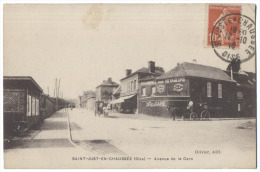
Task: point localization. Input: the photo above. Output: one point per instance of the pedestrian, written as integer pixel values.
(172, 111)
(190, 105)
(105, 111)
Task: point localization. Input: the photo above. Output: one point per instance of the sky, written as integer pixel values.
(84, 44)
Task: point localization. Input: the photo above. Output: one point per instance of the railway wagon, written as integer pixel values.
(21, 103)
(47, 106)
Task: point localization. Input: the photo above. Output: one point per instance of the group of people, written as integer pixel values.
(172, 109)
(67, 107)
(101, 108)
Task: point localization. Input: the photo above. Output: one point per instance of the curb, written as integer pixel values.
(69, 131)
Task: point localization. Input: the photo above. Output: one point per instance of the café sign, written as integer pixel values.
(156, 104)
(173, 80)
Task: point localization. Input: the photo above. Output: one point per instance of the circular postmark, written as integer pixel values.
(233, 37)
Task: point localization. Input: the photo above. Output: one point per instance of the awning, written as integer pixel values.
(121, 99)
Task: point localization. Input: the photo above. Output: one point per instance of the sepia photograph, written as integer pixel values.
(129, 86)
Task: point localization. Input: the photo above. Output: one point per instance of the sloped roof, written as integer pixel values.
(244, 79)
(196, 70)
(107, 83)
(142, 70)
(149, 78)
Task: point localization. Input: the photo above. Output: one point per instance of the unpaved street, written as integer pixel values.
(150, 137)
(147, 142)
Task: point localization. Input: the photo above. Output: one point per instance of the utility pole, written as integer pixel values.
(54, 89)
(58, 91)
(56, 95)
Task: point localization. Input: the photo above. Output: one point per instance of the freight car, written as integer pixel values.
(47, 106)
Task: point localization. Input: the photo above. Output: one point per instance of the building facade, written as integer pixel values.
(104, 92)
(87, 100)
(207, 87)
(129, 93)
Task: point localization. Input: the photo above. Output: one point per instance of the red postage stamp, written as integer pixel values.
(218, 22)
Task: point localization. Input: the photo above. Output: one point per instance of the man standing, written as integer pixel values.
(172, 111)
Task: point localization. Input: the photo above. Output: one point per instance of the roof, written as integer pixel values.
(244, 79)
(149, 78)
(196, 70)
(47, 96)
(141, 70)
(23, 78)
(107, 83)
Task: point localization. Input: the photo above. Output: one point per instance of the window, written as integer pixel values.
(134, 84)
(219, 90)
(143, 92)
(153, 90)
(238, 108)
(239, 95)
(29, 104)
(37, 107)
(209, 89)
(33, 106)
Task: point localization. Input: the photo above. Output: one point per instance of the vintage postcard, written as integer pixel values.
(129, 86)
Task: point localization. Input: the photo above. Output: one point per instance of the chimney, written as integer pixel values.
(128, 72)
(109, 80)
(151, 66)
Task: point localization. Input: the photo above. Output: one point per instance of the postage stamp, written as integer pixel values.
(230, 33)
(217, 12)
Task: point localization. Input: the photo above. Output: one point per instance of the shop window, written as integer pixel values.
(239, 95)
(143, 91)
(209, 94)
(153, 90)
(219, 90)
